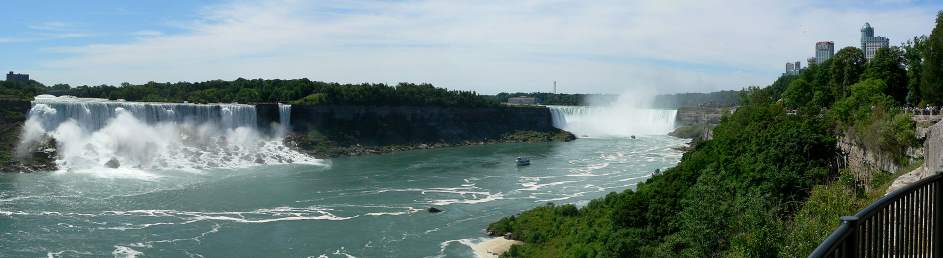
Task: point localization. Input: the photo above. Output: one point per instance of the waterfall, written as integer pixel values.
(98, 133)
(612, 121)
(284, 115)
(93, 114)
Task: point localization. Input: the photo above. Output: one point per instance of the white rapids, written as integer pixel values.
(613, 121)
(101, 134)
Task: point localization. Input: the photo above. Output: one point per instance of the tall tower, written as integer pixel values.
(867, 32)
(824, 50)
(554, 87)
(869, 43)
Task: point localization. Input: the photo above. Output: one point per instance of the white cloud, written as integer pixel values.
(51, 26)
(147, 33)
(490, 46)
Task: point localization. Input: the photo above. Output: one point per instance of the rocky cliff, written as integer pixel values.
(865, 162)
(700, 115)
(933, 149)
(321, 127)
(697, 123)
(12, 115)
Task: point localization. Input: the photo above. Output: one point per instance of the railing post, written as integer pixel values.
(937, 235)
(851, 243)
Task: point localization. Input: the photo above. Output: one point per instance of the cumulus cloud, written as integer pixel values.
(490, 46)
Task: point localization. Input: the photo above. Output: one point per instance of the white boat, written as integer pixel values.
(523, 161)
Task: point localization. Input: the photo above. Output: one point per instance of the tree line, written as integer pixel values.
(769, 183)
(299, 91)
(727, 98)
(561, 99)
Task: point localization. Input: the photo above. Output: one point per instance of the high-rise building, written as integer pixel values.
(793, 68)
(17, 77)
(869, 43)
(824, 50)
(810, 61)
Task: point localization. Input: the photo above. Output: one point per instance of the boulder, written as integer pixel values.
(113, 163)
(434, 210)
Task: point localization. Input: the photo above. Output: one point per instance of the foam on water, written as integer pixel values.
(138, 136)
(587, 121)
(629, 115)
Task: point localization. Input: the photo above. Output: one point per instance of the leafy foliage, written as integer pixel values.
(301, 91)
(726, 98)
(932, 84)
(767, 184)
(914, 52)
(759, 159)
(888, 66)
(559, 98)
(845, 69)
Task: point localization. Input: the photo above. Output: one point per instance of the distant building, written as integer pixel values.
(522, 100)
(869, 43)
(810, 61)
(824, 50)
(793, 68)
(21, 77)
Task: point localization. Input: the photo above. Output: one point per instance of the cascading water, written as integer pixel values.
(99, 133)
(612, 121)
(284, 118)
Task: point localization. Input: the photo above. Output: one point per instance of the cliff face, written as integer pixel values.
(12, 115)
(265, 115)
(933, 149)
(699, 115)
(412, 125)
(698, 123)
(864, 162)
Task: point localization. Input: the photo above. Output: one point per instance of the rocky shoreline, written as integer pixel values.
(321, 148)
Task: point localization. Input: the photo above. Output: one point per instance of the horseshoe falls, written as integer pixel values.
(613, 121)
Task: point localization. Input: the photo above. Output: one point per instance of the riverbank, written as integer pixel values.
(319, 146)
(493, 248)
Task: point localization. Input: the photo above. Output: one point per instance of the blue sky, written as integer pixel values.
(489, 46)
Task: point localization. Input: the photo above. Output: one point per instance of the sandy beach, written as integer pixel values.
(492, 248)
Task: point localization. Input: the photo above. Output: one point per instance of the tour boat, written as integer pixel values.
(523, 161)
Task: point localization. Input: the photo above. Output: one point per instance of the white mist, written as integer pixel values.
(628, 115)
(90, 133)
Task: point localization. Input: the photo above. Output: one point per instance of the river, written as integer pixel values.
(369, 206)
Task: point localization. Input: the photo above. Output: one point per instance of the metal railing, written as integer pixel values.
(905, 223)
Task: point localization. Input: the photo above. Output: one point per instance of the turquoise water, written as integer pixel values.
(372, 206)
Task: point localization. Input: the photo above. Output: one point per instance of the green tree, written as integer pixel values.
(932, 85)
(914, 52)
(888, 66)
(247, 95)
(798, 94)
(846, 68)
(866, 98)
